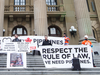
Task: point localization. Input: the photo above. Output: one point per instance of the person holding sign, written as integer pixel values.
(66, 39)
(16, 39)
(46, 41)
(87, 42)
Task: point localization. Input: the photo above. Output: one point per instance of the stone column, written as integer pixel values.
(27, 5)
(70, 21)
(2, 3)
(40, 17)
(83, 19)
(6, 26)
(32, 25)
(97, 5)
(11, 5)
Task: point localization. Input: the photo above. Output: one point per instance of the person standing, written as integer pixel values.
(16, 39)
(46, 41)
(66, 39)
(87, 42)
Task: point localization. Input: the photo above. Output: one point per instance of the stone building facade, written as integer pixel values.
(51, 17)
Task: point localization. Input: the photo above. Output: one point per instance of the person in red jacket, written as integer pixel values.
(66, 39)
(87, 42)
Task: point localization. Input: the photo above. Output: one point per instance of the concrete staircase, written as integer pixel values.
(97, 60)
(35, 66)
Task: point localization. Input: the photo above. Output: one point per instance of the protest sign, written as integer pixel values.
(9, 47)
(0, 43)
(38, 40)
(23, 47)
(16, 60)
(15, 47)
(34, 42)
(61, 56)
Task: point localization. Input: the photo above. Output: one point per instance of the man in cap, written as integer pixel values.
(87, 42)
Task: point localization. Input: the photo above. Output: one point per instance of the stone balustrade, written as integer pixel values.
(31, 8)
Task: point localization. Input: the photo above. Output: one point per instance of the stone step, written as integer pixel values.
(47, 69)
(27, 60)
(27, 65)
(49, 72)
(35, 62)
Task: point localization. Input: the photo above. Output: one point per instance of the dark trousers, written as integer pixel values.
(36, 52)
(76, 64)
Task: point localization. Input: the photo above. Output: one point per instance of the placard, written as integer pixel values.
(61, 56)
(9, 47)
(34, 42)
(16, 60)
(23, 47)
(15, 47)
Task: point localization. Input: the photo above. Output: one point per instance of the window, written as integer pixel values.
(51, 2)
(93, 6)
(19, 2)
(20, 30)
(88, 5)
(54, 31)
(94, 33)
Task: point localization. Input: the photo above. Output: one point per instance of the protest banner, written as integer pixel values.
(15, 47)
(9, 47)
(16, 60)
(23, 47)
(34, 41)
(0, 43)
(61, 56)
(38, 40)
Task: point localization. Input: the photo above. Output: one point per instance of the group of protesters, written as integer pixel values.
(66, 43)
(48, 42)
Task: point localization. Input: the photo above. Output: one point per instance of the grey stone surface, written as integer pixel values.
(37, 68)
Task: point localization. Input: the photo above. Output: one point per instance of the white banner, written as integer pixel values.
(38, 40)
(34, 41)
(16, 60)
(0, 43)
(9, 47)
(15, 47)
(61, 56)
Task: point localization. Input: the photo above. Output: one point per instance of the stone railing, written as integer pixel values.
(6, 8)
(19, 7)
(31, 8)
(54, 7)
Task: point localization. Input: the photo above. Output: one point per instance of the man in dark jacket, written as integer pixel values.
(46, 41)
(16, 39)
